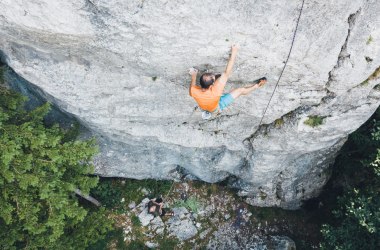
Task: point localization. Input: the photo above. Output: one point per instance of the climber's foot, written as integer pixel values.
(258, 81)
(262, 81)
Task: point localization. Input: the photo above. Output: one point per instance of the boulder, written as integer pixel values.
(145, 218)
(180, 225)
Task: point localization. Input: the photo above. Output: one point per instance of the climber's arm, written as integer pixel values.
(193, 72)
(227, 72)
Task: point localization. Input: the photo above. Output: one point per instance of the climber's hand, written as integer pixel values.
(235, 47)
(193, 71)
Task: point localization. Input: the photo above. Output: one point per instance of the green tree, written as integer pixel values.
(39, 172)
(357, 224)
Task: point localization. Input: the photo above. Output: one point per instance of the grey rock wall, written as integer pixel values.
(120, 67)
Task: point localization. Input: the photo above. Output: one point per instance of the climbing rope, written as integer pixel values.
(283, 69)
(286, 62)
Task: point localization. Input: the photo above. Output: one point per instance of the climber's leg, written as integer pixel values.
(227, 99)
(246, 90)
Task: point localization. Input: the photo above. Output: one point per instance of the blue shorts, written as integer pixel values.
(225, 100)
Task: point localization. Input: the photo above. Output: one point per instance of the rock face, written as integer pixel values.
(181, 224)
(121, 67)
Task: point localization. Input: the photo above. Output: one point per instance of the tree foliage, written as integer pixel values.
(357, 223)
(39, 171)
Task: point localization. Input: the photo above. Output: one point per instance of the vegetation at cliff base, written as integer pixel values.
(39, 171)
(357, 212)
(114, 193)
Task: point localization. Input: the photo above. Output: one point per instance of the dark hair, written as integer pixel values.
(159, 200)
(205, 84)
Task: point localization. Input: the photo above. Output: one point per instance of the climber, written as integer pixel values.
(155, 207)
(209, 95)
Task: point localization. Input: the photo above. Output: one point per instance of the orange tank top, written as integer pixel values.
(207, 99)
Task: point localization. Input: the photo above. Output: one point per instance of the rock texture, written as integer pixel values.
(181, 225)
(121, 67)
(227, 239)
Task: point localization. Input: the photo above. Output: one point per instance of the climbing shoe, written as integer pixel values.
(259, 80)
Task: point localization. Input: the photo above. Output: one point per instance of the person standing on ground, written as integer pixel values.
(209, 95)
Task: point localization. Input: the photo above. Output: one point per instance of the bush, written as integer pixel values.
(135, 221)
(39, 172)
(114, 237)
(111, 191)
(108, 194)
(314, 120)
(136, 245)
(168, 243)
(191, 203)
(357, 224)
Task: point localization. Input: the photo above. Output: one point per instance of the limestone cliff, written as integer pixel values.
(121, 67)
